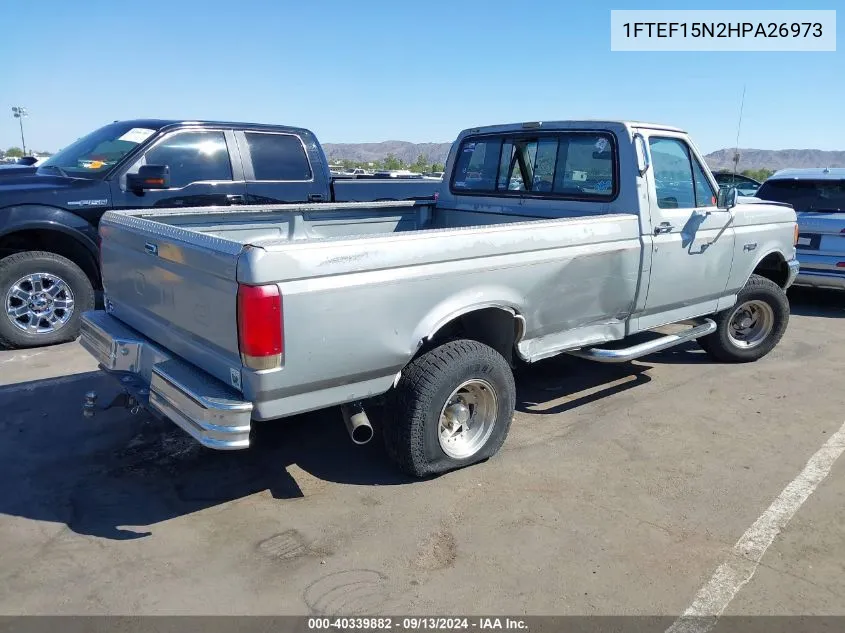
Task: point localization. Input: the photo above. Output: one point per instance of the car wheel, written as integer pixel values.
(752, 327)
(451, 407)
(44, 296)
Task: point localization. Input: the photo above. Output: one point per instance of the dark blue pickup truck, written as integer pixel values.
(49, 268)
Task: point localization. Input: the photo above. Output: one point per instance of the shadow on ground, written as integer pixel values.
(96, 475)
(815, 302)
(104, 476)
(564, 383)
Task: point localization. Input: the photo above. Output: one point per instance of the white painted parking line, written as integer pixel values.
(20, 357)
(742, 561)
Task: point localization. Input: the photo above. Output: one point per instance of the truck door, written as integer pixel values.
(692, 240)
(276, 168)
(203, 171)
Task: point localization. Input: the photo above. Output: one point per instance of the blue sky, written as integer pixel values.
(417, 71)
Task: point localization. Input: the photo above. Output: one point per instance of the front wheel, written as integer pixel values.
(451, 407)
(752, 327)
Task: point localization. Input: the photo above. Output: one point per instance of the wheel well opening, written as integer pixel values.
(773, 267)
(496, 327)
(52, 242)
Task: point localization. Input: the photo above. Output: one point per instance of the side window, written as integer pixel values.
(673, 179)
(193, 157)
(704, 194)
(278, 157)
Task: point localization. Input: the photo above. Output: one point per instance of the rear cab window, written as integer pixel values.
(806, 194)
(576, 165)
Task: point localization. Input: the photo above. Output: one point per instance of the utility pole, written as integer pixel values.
(19, 112)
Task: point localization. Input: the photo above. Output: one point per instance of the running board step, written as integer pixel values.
(649, 347)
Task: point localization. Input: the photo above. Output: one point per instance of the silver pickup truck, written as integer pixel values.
(546, 238)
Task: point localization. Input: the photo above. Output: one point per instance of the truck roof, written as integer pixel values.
(158, 124)
(810, 173)
(566, 124)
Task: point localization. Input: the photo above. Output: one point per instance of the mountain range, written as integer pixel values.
(720, 159)
(371, 152)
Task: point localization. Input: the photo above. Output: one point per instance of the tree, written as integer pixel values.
(391, 162)
(420, 166)
(14, 152)
(757, 174)
(438, 167)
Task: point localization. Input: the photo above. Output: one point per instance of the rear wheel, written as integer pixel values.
(752, 327)
(452, 407)
(44, 296)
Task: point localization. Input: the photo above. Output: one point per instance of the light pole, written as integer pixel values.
(19, 112)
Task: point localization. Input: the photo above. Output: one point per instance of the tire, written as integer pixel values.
(49, 269)
(412, 428)
(760, 300)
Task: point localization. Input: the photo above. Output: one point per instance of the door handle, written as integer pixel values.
(235, 198)
(663, 227)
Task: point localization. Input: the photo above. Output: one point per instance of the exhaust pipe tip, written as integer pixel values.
(357, 423)
(362, 434)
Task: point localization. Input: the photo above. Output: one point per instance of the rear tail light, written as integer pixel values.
(260, 328)
(840, 264)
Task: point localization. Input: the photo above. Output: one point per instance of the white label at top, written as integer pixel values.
(137, 135)
(711, 30)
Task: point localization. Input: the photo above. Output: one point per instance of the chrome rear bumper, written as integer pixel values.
(208, 410)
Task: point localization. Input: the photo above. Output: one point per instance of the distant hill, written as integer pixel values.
(775, 159)
(371, 152)
(721, 159)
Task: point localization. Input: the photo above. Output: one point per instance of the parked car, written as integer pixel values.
(48, 214)
(744, 185)
(215, 318)
(818, 196)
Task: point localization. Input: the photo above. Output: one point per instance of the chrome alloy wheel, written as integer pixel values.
(467, 419)
(750, 324)
(40, 303)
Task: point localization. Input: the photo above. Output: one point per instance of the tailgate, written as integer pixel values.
(822, 233)
(175, 286)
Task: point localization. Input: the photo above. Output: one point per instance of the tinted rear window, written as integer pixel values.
(278, 157)
(579, 165)
(806, 195)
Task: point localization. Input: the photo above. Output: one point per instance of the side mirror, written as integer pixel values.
(726, 198)
(149, 177)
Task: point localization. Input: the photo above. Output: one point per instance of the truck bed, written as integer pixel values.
(362, 284)
(260, 225)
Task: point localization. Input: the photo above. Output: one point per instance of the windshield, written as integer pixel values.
(806, 195)
(95, 154)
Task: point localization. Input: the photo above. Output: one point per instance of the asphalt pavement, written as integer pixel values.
(621, 490)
